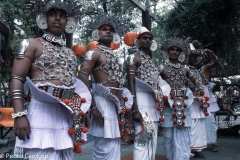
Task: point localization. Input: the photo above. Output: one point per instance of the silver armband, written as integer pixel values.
(130, 59)
(19, 114)
(22, 48)
(88, 55)
(17, 94)
(18, 78)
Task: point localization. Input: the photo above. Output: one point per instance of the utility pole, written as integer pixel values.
(146, 21)
(145, 16)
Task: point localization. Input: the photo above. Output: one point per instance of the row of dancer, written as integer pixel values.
(44, 70)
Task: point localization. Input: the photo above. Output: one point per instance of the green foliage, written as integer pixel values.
(20, 22)
(215, 23)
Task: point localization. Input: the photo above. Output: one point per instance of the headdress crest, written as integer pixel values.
(143, 30)
(175, 42)
(71, 7)
(104, 18)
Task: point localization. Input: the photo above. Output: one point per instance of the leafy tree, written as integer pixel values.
(215, 23)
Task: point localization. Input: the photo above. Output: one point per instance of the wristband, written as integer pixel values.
(19, 114)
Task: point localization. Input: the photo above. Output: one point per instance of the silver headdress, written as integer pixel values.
(143, 30)
(175, 42)
(112, 20)
(102, 19)
(39, 8)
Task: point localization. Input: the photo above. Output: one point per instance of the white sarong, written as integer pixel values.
(145, 151)
(198, 134)
(211, 129)
(106, 148)
(177, 143)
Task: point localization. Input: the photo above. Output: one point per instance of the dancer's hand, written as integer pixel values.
(22, 128)
(97, 116)
(86, 120)
(137, 117)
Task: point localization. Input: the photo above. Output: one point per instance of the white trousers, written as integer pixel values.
(106, 148)
(177, 143)
(198, 134)
(211, 129)
(147, 151)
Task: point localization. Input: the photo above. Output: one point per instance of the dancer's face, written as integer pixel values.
(145, 41)
(56, 20)
(174, 53)
(106, 34)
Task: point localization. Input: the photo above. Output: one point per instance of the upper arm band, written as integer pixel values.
(22, 48)
(130, 59)
(88, 55)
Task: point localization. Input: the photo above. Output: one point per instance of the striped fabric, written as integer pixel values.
(49, 126)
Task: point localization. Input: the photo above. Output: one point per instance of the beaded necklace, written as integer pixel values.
(176, 75)
(113, 66)
(148, 70)
(57, 62)
(53, 39)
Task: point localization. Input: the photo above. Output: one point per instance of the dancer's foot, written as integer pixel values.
(227, 119)
(191, 155)
(198, 154)
(214, 148)
(235, 117)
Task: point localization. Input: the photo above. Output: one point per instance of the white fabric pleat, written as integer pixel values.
(49, 126)
(177, 143)
(146, 103)
(211, 129)
(106, 149)
(109, 111)
(211, 95)
(196, 111)
(198, 134)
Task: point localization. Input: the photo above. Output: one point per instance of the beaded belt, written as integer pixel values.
(117, 93)
(178, 92)
(58, 92)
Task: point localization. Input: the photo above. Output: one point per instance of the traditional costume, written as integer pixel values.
(177, 115)
(199, 112)
(53, 111)
(108, 100)
(211, 125)
(147, 91)
(198, 130)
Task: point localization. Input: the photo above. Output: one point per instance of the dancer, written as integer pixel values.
(143, 79)
(44, 70)
(177, 121)
(204, 66)
(107, 89)
(198, 130)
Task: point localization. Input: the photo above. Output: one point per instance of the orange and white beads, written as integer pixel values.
(78, 127)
